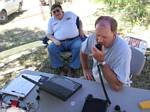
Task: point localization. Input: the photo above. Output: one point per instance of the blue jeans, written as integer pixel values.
(72, 46)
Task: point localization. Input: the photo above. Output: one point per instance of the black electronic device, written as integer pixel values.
(98, 46)
(96, 104)
(58, 86)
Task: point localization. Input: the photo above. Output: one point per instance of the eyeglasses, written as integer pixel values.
(55, 11)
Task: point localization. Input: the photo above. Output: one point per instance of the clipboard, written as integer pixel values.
(19, 86)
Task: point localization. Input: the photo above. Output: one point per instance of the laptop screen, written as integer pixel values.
(58, 86)
(65, 82)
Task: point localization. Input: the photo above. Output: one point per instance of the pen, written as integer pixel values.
(18, 92)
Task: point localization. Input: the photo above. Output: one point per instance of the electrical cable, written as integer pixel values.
(101, 79)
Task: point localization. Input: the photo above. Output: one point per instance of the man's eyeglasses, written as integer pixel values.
(55, 11)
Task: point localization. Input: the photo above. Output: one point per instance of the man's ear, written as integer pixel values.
(115, 33)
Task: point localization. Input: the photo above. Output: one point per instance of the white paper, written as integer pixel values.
(19, 86)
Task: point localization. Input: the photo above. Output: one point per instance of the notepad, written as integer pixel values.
(19, 86)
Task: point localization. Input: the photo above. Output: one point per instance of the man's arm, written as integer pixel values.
(80, 27)
(108, 73)
(84, 62)
(52, 38)
(111, 78)
(81, 32)
(50, 32)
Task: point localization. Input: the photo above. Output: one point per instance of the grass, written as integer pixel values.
(19, 36)
(21, 48)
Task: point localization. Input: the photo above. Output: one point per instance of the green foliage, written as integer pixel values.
(134, 11)
(95, 1)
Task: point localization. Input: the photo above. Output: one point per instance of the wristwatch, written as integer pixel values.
(103, 63)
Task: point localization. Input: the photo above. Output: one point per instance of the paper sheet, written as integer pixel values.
(19, 86)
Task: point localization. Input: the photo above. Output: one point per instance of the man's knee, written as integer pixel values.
(76, 45)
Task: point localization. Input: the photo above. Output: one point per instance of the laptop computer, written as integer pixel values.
(58, 86)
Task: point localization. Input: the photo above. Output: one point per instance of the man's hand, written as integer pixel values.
(81, 32)
(98, 55)
(83, 37)
(45, 40)
(57, 42)
(88, 75)
(52, 38)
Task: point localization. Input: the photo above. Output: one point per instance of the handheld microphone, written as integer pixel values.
(98, 46)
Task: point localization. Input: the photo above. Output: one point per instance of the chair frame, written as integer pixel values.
(137, 62)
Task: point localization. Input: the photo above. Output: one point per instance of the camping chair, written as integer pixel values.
(139, 44)
(137, 62)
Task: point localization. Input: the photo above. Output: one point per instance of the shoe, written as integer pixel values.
(60, 71)
(72, 72)
(56, 70)
(64, 71)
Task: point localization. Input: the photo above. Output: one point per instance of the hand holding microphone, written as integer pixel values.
(98, 52)
(99, 46)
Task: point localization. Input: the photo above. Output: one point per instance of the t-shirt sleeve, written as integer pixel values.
(122, 65)
(88, 44)
(49, 27)
(72, 14)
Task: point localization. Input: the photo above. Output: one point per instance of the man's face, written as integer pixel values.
(58, 13)
(104, 35)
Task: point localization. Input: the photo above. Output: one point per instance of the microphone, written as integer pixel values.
(98, 46)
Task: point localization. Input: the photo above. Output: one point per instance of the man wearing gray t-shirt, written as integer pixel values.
(114, 57)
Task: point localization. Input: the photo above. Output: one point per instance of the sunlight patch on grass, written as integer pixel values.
(19, 49)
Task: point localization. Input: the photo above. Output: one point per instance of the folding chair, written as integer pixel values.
(137, 62)
(139, 44)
